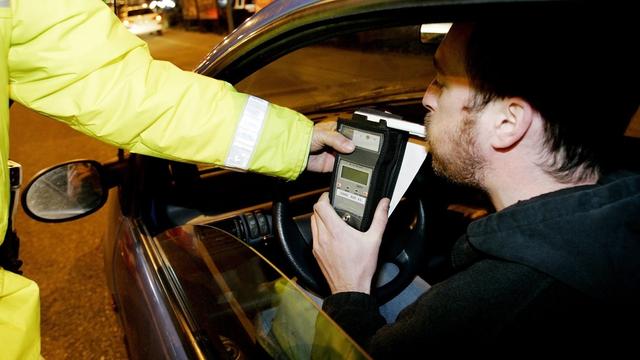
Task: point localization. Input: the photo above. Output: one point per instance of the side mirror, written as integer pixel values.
(65, 192)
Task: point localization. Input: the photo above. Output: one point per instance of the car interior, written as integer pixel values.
(398, 70)
(386, 69)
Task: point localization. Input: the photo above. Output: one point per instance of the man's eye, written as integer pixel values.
(437, 83)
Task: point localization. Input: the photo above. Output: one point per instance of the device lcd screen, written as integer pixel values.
(354, 175)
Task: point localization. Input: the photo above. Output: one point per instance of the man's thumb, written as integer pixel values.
(381, 215)
(338, 141)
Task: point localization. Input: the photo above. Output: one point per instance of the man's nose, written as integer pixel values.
(430, 96)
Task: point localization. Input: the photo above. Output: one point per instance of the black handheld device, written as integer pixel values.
(369, 173)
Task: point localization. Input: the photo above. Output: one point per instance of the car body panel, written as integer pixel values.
(138, 295)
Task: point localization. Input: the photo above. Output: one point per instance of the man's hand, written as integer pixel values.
(347, 257)
(325, 135)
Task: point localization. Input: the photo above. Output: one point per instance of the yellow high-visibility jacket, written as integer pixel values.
(74, 61)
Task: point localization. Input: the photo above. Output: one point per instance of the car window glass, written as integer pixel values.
(382, 65)
(234, 297)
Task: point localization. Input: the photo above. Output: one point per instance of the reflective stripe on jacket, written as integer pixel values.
(72, 60)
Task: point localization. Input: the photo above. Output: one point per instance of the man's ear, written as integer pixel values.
(513, 119)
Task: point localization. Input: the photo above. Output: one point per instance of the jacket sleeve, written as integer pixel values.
(357, 313)
(74, 61)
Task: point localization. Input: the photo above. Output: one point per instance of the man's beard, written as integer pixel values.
(462, 164)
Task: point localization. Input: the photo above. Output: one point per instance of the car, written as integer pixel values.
(205, 262)
(142, 20)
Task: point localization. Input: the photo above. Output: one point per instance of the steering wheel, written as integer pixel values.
(402, 245)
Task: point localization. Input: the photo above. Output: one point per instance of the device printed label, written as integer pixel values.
(366, 140)
(350, 196)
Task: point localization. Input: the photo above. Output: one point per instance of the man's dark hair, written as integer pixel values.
(578, 73)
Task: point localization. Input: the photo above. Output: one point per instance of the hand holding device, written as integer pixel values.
(369, 173)
(324, 135)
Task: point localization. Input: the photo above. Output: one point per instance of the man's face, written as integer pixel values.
(450, 121)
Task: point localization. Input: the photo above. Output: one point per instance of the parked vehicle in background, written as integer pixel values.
(221, 14)
(200, 10)
(142, 20)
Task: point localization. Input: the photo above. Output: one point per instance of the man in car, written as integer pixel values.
(74, 61)
(528, 111)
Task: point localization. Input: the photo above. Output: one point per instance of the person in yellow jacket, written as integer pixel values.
(74, 61)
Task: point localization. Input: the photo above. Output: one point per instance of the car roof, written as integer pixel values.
(284, 26)
(285, 19)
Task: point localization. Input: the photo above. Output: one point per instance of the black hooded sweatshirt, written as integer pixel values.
(559, 272)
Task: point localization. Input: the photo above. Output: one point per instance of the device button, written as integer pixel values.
(346, 217)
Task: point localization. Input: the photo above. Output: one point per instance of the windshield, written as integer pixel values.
(233, 300)
(382, 65)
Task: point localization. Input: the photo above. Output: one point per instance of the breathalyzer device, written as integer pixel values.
(369, 173)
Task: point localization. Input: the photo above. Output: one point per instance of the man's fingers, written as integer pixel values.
(314, 230)
(324, 198)
(330, 125)
(331, 138)
(321, 162)
(325, 211)
(325, 136)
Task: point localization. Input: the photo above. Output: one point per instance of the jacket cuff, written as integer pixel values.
(283, 148)
(364, 302)
(357, 313)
